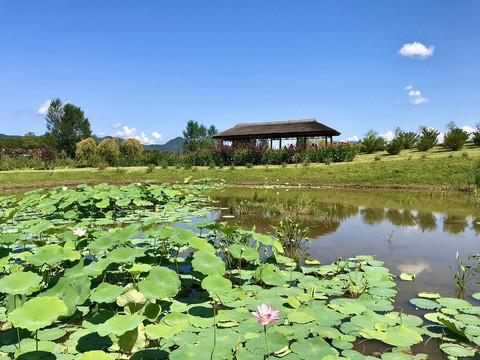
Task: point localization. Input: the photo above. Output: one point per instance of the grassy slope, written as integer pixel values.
(436, 168)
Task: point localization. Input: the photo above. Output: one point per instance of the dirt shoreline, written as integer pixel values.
(7, 188)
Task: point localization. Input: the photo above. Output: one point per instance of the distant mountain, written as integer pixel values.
(175, 145)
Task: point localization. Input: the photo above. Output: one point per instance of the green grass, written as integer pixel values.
(435, 168)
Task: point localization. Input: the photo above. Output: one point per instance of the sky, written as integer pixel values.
(145, 68)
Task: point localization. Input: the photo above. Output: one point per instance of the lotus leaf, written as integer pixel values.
(38, 313)
(401, 335)
(313, 348)
(457, 350)
(425, 304)
(50, 334)
(269, 274)
(119, 324)
(429, 295)
(208, 264)
(160, 283)
(106, 293)
(216, 285)
(95, 355)
(44, 348)
(198, 243)
(407, 277)
(49, 254)
(20, 283)
(124, 254)
(454, 303)
(9, 238)
(476, 295)
(133, 340)
(133, 301)
(158, 331)
(301, 317)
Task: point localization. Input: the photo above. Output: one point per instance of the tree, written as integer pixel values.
(87, 151)
(132, 148)
(197, 136)
(108, 149)
(428, 138)
(455, 138)
(66, 125)
(371, 142)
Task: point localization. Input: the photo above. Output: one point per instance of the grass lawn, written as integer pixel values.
(436, 168)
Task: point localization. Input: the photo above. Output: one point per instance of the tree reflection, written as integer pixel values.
(454, 224)
(372, 216)
(426, 221)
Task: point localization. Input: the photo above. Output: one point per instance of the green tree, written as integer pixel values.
(455, 138)
(197, 136)
(66, 125)
(371, 142)
(108, 150)
(87, 151)
(428, 138)
(131, 147)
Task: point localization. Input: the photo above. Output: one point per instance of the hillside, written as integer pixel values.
(175, 145)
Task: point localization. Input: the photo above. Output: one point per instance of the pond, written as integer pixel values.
(412, 232)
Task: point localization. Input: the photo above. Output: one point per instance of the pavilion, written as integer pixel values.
(277, 130)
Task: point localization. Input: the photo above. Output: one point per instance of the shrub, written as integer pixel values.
(476, 138)
(249, 165)
(86, 151)
(150, 168)
(377, 158)
(164, 164)
(108, 150)
(211, 166)
(372, 142)
(428, 138)
(131, 147)
(102, 165)
(455, 138)
(394, 146)
(327, 161)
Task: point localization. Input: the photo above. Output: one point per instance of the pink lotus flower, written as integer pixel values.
(79, 232)
(265, 314)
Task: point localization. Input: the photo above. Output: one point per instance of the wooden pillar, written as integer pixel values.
(331, 139)
(280, 143)
(305, 141)
(233, 143)
(271, 143)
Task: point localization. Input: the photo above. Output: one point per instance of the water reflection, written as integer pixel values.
(414, 268)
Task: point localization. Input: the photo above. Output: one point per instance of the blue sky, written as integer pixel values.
(144, 68)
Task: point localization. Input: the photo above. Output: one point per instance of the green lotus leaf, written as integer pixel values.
(28, 350)
(407, 277)
(133, 301)
(313, 348)
(476, 296)
(401, 335)
(49, 254)
(158, 331)
(106, 293)
(301, 317)
(119, 324)
(137, 269)
(160, 283)
(185, 352)
(454, 303)
(268, 241)
(269, 274)
(124, 254)
(216, 285)
(425, 304)
(38, 313)
(133, 340)
(347, 306)
(103, 204)
(313, 262)
(208, 264)
(50, 334)
(293, 302)
(468, 319)
(95, 355)
(429, 295)
(277, 343)
(70, 214)
(20, 282)
(182, 236)
(453, 325)
(104, 242)
(242, 251)
(198, 243)
(9, 239)
(457, 350)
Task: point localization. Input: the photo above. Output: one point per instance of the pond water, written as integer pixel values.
(413, 232)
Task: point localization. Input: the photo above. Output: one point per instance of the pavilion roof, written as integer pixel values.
(277, 129)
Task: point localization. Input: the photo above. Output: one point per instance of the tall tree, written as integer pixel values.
(66, 126)
(197, 136)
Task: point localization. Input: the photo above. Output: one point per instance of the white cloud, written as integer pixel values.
(440, 138)
(389, 135)
(116, 126)
(469, 129)
(157, 135)
(144, 139)
(101, 133)
(415, 96)
(416, 50)
(126, 131)
(352, 139)
(44, 108)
